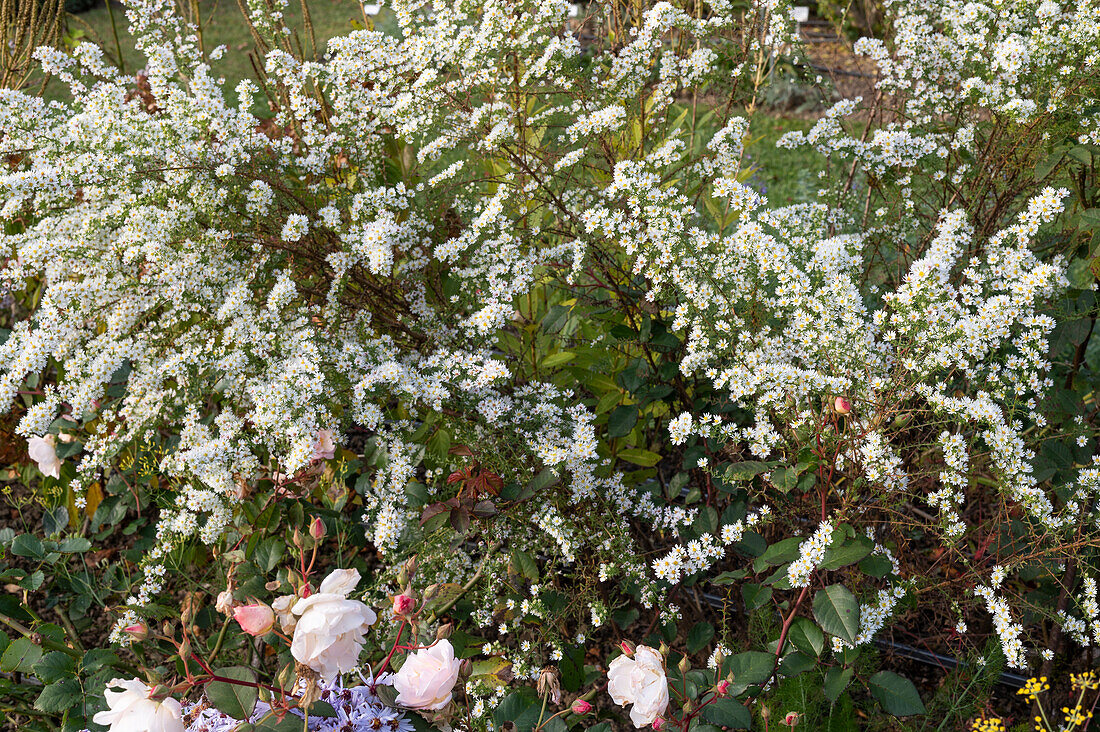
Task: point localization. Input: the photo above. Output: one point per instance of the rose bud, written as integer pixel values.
(842, 405)
(137, 631)
(403, 605)
(628, 648)
(722, 688)
(256, 619)
(791, 719)
(581, 707)
(317, 529)
(658, 723)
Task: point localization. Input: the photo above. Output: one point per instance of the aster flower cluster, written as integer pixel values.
(357, 709)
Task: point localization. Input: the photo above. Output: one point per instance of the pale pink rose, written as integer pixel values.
(639, 680)
(131, 710)
(225, 602)
(329, 631)
(256, 619)
(43, 451)
(282, 607)
(323, 447)
(842, 405)
(427, 677)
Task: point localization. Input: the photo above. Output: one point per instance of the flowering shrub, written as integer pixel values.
(492, 307)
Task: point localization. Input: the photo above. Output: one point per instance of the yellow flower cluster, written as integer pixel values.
(1034, 687)
(983, 724)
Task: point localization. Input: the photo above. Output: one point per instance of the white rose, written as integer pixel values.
(639, 681)
(132, 710)
(328, 634)
(427, 677)
(41, 450)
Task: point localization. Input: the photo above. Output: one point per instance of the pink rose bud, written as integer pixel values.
(317, 529)
(722, 688)
(791, 720)
(581, 707)
(842, 405)
(137, 631)
(403, 604)
(628, 648)
(658, 723)
(256, 619)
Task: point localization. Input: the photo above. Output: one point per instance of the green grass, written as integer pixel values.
(222, 24)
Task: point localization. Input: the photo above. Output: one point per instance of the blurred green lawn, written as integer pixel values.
(785, 176)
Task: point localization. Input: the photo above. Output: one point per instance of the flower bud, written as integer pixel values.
(658, 723)
(842, 405)
(159, 693)
(466, 669)
(722, 688)
(684, 665)
(581, 707)
(137, 631)
(403, 605)
(663, 649)
(444, 631)
(628, 648)
(765, 713)
(256, 619)
(430, 592)
(791, 719)
(317, 529)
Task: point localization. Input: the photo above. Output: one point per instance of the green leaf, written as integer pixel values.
(55, 666)
(75, 544)
(778, 553)
(638, 456)
(896, 694)
(558, 359)
(522, 708)
(807, 637)
(849, 552)
(28, 545)
(836, 681)
(20, 655)
(755, 596)
(876, 565)
(58, 697)
(728, 713)
(1090, 218)
(268, 553)
(1048, 164)
(785, 478)
(699, 637)
(747, 470)
(236, 700)
(837, 612)
(622, 420)
(525, 565)
(748, 668)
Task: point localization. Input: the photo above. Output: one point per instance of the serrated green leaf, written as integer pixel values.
(806, 637)
(837, 612)
(58, 697)
(55, 666)
(836, 681)
(728, 713)
(236, 700)
(896, 693)
(700, 635)
(525, 565)
(20, 655)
